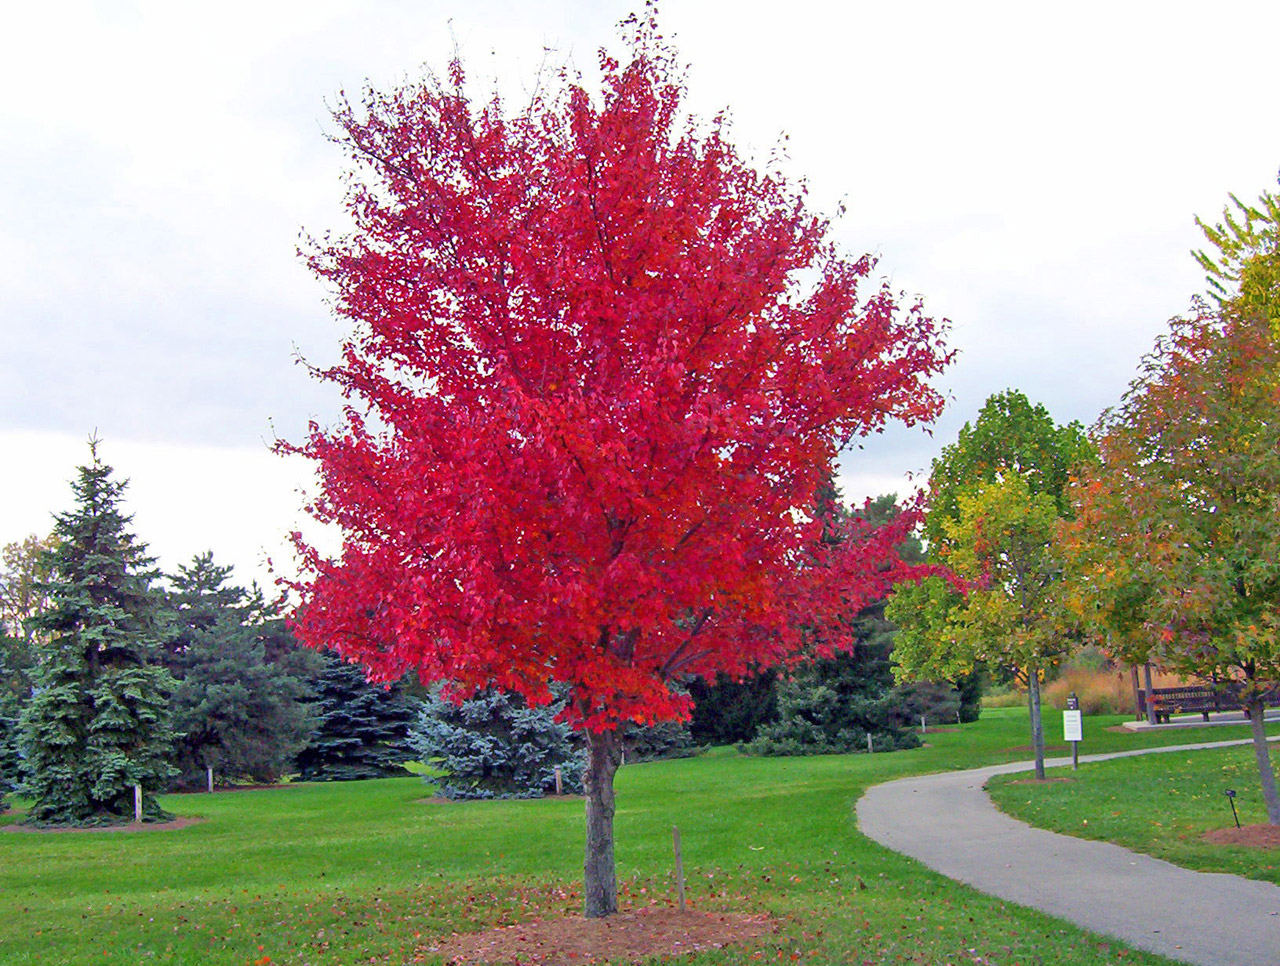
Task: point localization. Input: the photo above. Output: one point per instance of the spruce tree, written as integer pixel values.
(237, 712)
(495, 746)
(98, 722)
(362, 729)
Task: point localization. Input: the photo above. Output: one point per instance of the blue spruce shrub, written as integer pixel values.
(495, 746)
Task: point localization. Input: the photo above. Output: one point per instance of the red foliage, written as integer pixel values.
(598, 363)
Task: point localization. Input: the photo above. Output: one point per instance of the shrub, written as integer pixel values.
(1100, 692)
(935, 703)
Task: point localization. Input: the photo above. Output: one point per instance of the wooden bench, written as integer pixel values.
(1186, 700)
(1203, 698)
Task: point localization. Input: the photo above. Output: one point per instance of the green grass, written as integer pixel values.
(1160, 804)
(367, 872)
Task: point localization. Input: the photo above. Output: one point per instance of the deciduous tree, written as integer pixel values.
(1244, 265)
(600, 365)
(996, 497)
(1185, 535)
(23, 574)
(1011, 434)
(833, 704)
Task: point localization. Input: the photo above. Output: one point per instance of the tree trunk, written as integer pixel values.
(600, 881)
(1262, 753)
(1037, 722)
(1133, 679)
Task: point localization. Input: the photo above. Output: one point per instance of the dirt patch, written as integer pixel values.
(177, 823)
(627, 936)
(1254, 836)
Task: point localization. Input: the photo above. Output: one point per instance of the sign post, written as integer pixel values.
(1073, 728)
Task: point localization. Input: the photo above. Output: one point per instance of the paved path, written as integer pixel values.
(948, 823)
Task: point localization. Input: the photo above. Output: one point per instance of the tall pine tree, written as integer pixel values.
(362, 729)
(98, 722)
(238, 712)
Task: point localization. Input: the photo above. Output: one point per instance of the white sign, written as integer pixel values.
(1072, 726)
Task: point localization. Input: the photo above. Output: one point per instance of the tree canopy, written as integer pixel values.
(599, 365)
(1181, 558)
(1244, 266)
(1011, 434)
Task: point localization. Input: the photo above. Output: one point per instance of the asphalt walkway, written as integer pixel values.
(947, 822)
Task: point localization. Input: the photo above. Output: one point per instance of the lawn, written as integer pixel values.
(1160, 804)
(367, 872)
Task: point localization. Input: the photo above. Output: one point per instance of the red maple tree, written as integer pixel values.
(600, 366)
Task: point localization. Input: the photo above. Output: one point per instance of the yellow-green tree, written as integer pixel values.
(1244, 268)
(1003, 479)
(1001, 545)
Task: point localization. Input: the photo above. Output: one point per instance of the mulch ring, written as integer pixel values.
(626, 936)
(177, 823)
(1254, 836)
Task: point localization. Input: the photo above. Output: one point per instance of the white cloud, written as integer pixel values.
(240, 503)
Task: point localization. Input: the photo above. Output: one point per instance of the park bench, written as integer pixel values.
(1167, 701)
(1192, 698)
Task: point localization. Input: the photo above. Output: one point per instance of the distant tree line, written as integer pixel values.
(114, 675)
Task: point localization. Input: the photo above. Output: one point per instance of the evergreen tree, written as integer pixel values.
(239, 713)
(362, 729)
(666, 739)
(495, 746)
(726, 711)
(13, 691)
(831, 705)
(98, 721)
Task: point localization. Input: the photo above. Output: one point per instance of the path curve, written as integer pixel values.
(947, 822)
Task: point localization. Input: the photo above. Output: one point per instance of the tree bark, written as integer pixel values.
(1262, 753)
(600, 881)
(1037, 722)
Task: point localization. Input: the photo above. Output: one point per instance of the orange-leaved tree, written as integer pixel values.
(1179, 535)
(600, 366)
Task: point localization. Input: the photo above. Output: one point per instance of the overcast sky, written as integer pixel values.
(1032, 170)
